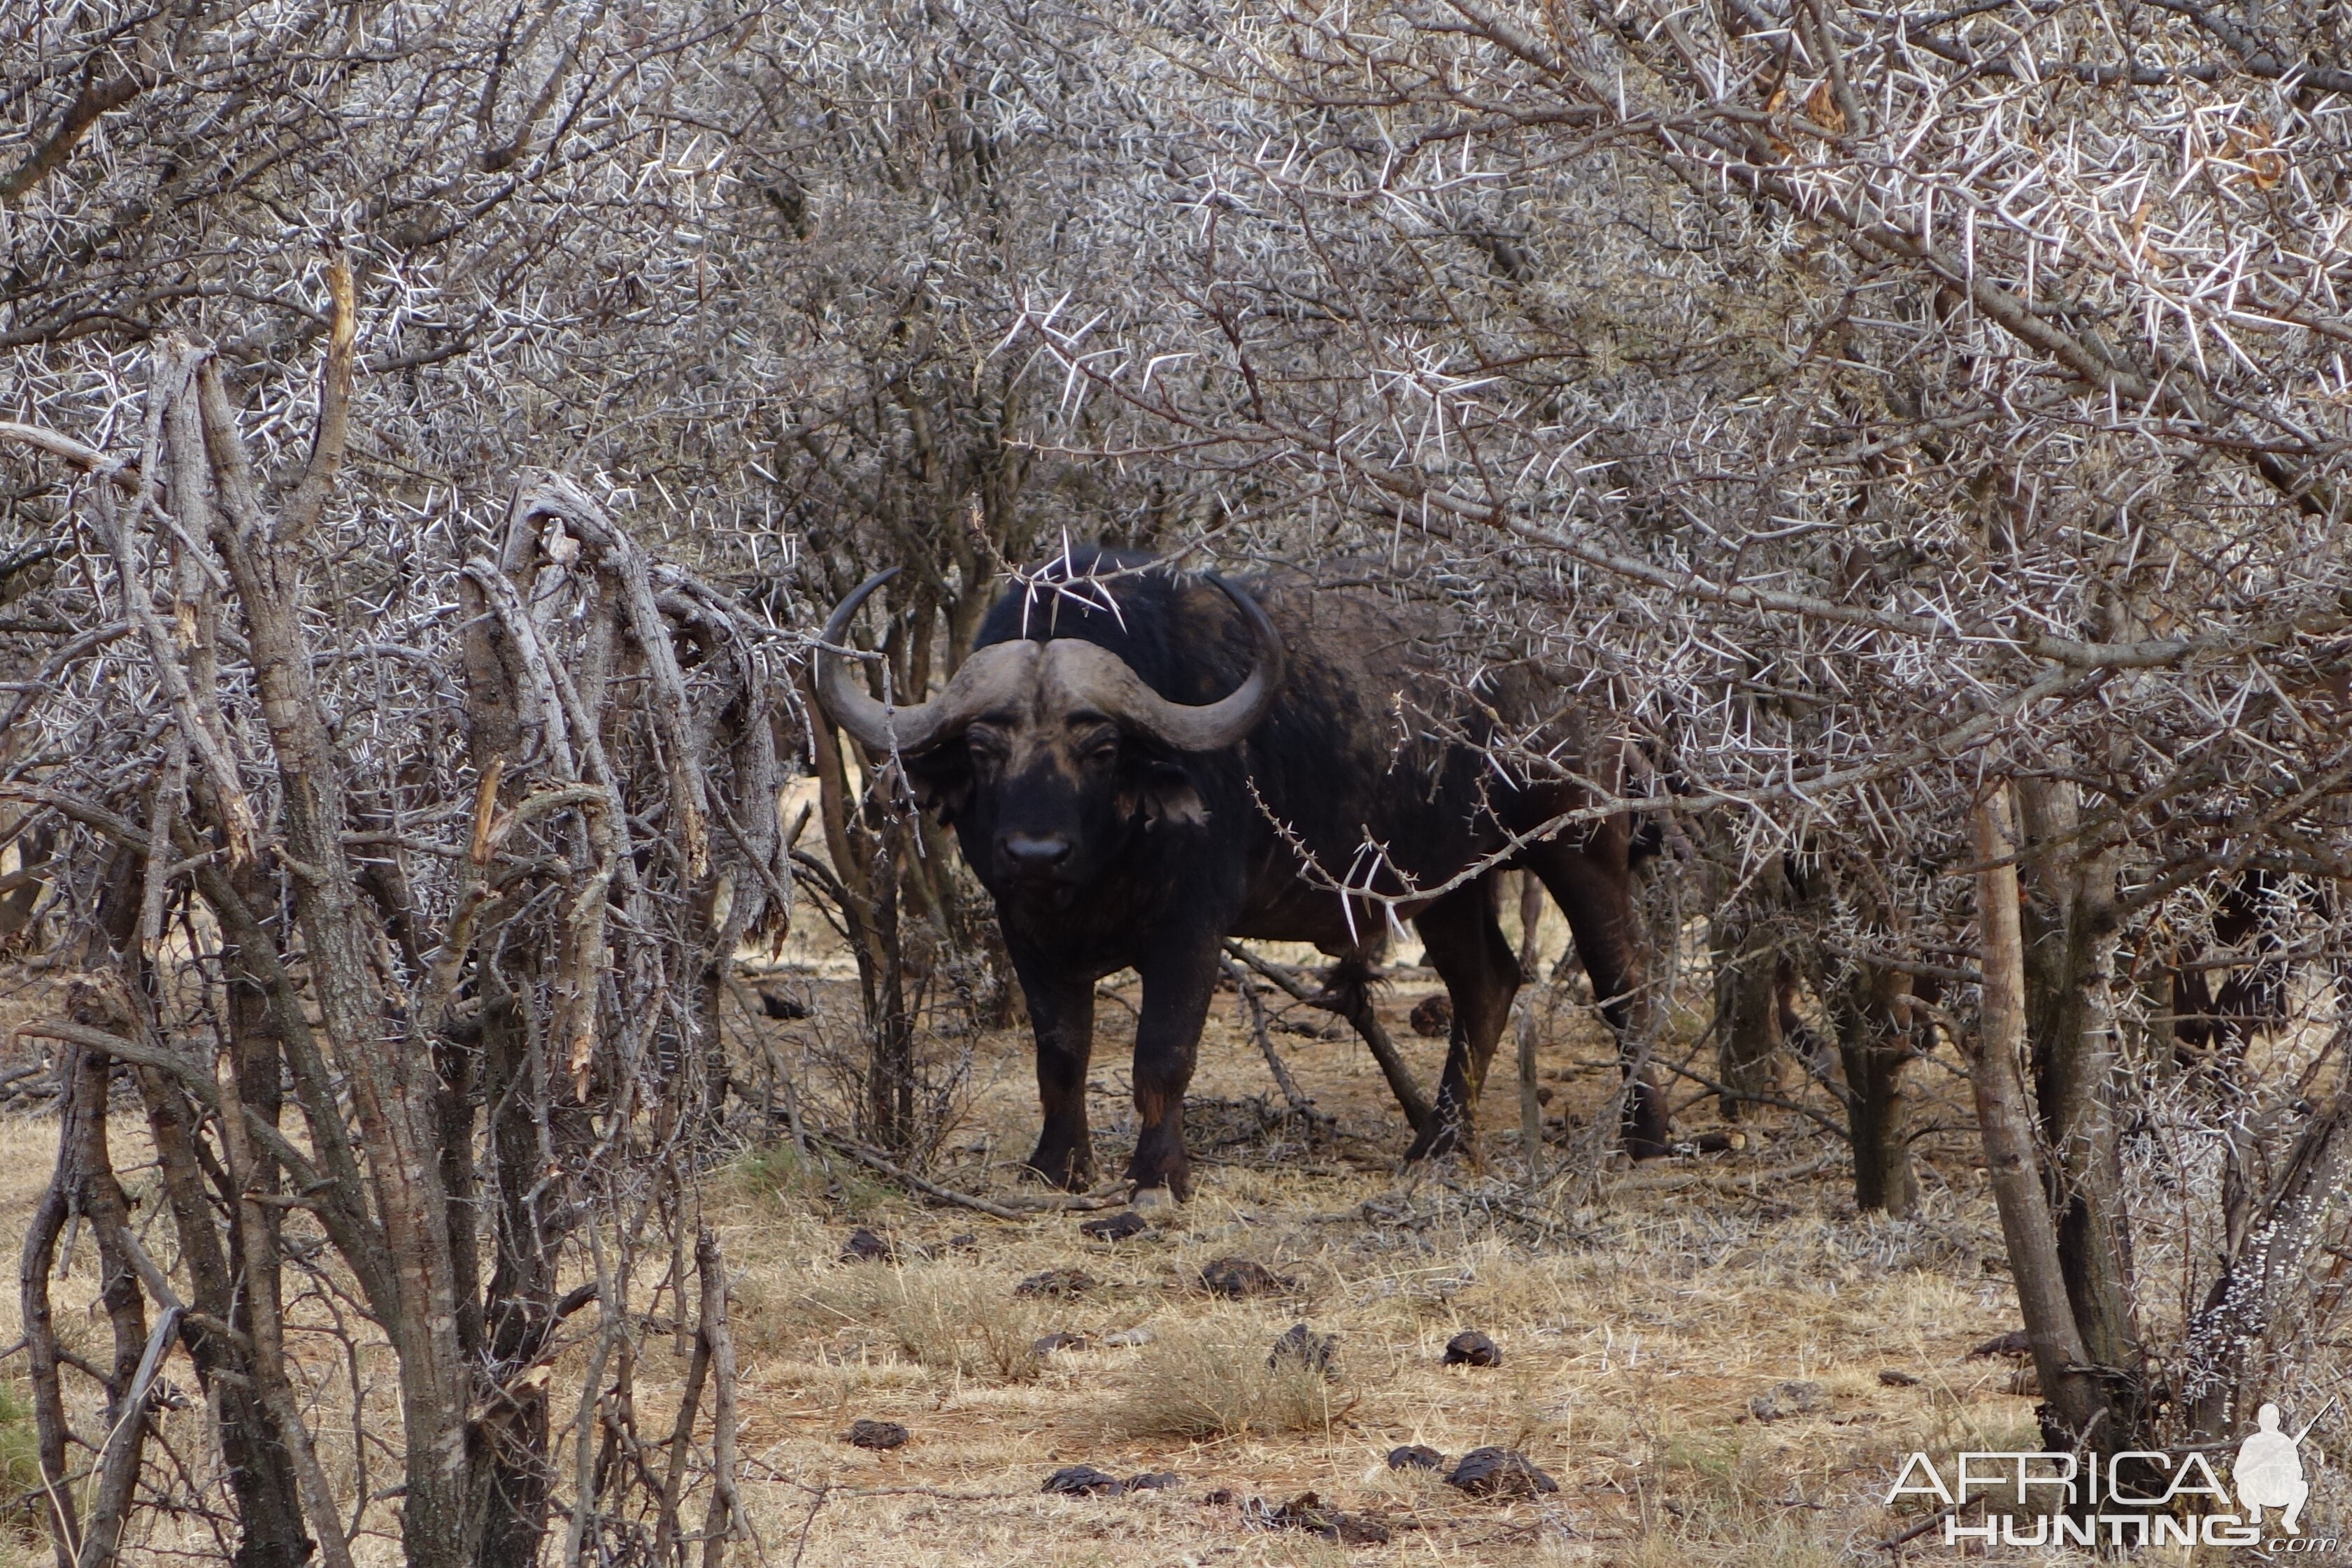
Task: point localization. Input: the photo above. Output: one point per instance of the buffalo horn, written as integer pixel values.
(883, 726)
(1107, 680)
(1083, 668)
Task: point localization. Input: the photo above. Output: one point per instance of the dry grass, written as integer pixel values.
(1633, 1329)
(1635, 1332)
(1217, 1379)
(954, 1316)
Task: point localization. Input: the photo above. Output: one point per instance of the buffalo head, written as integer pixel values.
(1047, 757)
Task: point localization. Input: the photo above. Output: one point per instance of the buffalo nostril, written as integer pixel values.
(1036, 851)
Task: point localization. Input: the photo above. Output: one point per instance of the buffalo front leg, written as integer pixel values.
(1062, 1009)
(1465, 943)
(1177, 983)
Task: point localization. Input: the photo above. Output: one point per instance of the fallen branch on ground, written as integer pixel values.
(1299, 1103)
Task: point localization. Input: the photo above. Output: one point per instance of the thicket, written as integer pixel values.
(434, 430)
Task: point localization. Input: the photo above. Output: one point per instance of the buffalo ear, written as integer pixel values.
(941, 780)
(1167, 799)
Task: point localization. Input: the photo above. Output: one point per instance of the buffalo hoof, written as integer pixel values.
(1647, 1131)
(1069, 1169)
(1170, 1182)
(1149, 1199)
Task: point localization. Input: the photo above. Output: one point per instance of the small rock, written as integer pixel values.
(1415, 1457)
(1083, 1481)
(1306, 1512)
(1115, 1228)
(1154, 1480)
(1059, 1283)
(1433, 1016)
(2017, 1343)
(1544, 1094)
(963, 1242)
(876, 1434)
(1499, 1472)
(864, 1246)
(1238, 1276)
(1891, 1378)
(778, 1007)
(1127, 1339)
(1302, 1346)
(1784, 1400)
(1053, 1343)
(1471, 1349)
(1222, 1497)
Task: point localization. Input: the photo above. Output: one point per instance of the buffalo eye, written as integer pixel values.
(1100, 746)
(985, 747)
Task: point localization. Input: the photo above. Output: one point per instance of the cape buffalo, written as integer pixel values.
(1131, 766)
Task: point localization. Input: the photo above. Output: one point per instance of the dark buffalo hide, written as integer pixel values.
(1137, 809)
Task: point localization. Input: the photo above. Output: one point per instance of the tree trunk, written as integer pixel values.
(260, 1472)
(1747, 1039)
(25, 886)
(1873, 1022)
(2075, 1407)
(2227, 1339)
(529, 1224)
(868, 840)
(37, 1313)
(890, 1062)
(257, 1064)
(1747, 942)
(2068, 922)
(398, 1109)
(105, 1210)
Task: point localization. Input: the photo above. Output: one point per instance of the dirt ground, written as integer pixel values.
(1639, 1317)
(1641, 1313)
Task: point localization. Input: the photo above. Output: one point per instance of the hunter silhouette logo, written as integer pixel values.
(2139, 1498)
(2269, 1471)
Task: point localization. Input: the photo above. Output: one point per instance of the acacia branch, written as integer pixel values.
(301, 509)
(99, 96)
(2256, 58)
